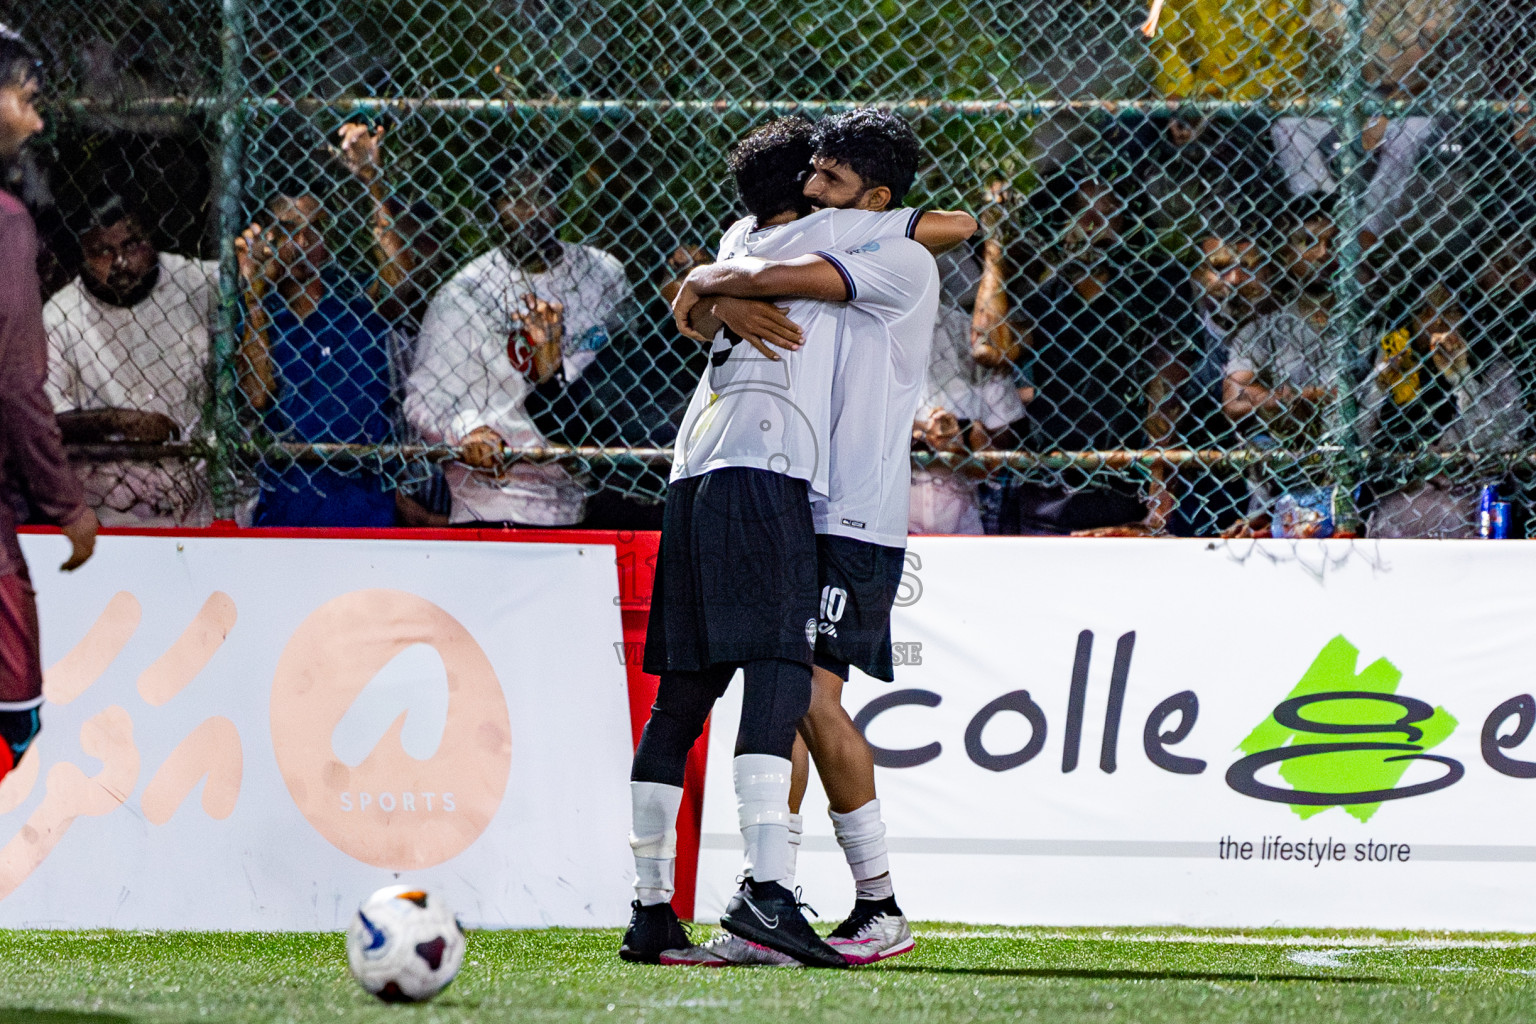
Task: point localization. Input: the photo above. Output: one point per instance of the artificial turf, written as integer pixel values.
(955, 974)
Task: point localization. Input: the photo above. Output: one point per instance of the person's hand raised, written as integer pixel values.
(358, 148)
(543, 324)
(253, 255)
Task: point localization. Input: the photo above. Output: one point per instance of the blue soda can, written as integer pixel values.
(1500, 520)
(1485, 504)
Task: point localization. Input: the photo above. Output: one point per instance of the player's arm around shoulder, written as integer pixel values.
(935, 230)
(815, 276)
(812, 276)
(941, 230)
(889, 275)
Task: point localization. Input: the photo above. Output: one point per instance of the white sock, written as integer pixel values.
(861, 834)
(796, 833)
(762, 806)
(654, 839)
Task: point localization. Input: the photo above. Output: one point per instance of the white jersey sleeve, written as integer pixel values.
(883, 276)
(882, 361)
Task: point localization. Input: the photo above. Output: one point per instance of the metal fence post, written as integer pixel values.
(224, 414)
(1350, 315)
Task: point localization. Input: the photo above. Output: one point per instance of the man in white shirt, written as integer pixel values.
(128, 361)
(518, 323)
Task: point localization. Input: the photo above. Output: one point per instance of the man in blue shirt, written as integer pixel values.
(315, 362)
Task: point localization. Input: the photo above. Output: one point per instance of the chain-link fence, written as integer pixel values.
(1246, 266)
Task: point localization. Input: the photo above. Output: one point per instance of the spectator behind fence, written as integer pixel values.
(322, 351)
(1100, 319)
(315, 362)
(973, 398)
(966, 407)
(1090, 375)
(1438, 383)
(518, 324)
(1229, 285)
(128, 344)
(1405, 45)
(1283, 375)
(1184, 174)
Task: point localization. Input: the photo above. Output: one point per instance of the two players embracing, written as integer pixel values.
(785, 526)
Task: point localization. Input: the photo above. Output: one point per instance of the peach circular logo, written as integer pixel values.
(390, 809)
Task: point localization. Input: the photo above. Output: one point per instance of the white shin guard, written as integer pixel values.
(796, 834)
(654, 839)
(762, 806)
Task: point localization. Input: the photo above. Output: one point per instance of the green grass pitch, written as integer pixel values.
(957, 973)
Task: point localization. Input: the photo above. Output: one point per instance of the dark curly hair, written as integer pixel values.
(770, 165)
(878, 145)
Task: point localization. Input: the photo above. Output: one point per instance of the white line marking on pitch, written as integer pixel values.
(1348, 944)
(1321, 957)
(1334, 958)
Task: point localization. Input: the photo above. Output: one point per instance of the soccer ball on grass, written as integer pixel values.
(404, 945)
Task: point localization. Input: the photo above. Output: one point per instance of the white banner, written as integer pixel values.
(1125, 732)
(256, 733)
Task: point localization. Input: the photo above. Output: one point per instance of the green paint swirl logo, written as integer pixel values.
(1304, 735)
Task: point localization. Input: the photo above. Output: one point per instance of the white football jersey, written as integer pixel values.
(879, 377)
(759, 413)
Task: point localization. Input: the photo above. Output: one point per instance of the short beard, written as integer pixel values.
(126, 298)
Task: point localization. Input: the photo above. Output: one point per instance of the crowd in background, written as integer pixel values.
(1169, 291)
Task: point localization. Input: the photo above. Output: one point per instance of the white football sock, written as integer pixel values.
(762, 806)
(861, 834)
(654, 839)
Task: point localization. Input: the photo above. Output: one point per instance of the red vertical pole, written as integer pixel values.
(637, 572)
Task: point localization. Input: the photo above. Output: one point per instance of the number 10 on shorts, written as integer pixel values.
(834, 601)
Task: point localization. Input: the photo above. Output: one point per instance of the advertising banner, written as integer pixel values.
(256, 733)
(1121, 732)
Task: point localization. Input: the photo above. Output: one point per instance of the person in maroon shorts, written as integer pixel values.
(31, 452)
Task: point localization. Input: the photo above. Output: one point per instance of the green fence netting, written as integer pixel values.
(1247, 266)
